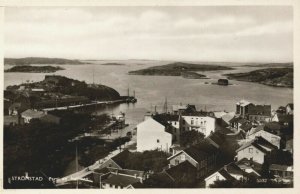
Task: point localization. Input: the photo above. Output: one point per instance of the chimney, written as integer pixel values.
(225, 167)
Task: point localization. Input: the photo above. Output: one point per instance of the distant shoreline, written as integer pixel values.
(277, 77)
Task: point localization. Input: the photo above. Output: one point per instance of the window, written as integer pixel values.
(176, 162)
(192, 122)
(182, 157)
(157, 140)
(175, 123)
(250, 150)
(217, 177)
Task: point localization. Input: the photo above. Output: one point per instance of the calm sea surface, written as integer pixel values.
(152, 90)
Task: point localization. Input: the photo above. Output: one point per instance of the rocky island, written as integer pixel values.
(34, 69)
(279, 77)
(186, 70)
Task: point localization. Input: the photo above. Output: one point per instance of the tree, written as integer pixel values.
(188, 138)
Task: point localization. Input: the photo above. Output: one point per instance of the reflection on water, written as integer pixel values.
(152, 90)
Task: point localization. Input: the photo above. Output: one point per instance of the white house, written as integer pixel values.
(152, 135)
(255, 150)
(200, 123)
(229, 172)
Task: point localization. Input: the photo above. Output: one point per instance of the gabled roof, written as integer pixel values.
(245, 162)
(162, 119)
(177, 171)
(232, 168)
(217, 138)
(291, 105)
(130, 172)
(256, 129)
(259, 143)
(120, 180)
(121, 158)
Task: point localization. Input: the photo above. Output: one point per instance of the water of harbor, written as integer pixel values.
(151, 91)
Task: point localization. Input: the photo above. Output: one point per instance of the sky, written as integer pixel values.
(203, 33)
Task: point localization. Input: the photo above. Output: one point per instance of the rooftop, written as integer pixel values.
(259, 143)
(243, 103)
(120, 180)
(33, 113)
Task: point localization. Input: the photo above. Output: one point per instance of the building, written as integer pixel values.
(179, 109)
(290, 109)
(255, 150)
(282, 172)
(152, 134)
(260, 131)
(253, 112)
(203, 156)
(16, 108)
(249, 166)
(259, 113)
(229, 172)
(30, 114)
(198, 121)
(223, 82)
(119, 180)
(237, 122)
(242, 108)
(181, 175)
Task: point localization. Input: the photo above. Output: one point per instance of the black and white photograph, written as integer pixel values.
(148, 97)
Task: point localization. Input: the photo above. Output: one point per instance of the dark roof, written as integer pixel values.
(201, 150)
(246, 162)
(284, 118)
(196, 154)
(121, 158)
(217, 138)
(246, 126)
(167, 117)
(264, 110)
(162, 119)
(232, 168)
(291, 105)
(177, 172)
(197, 113)
(225, 174)
(120, 180)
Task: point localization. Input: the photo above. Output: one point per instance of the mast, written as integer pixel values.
(165, 109)
(76, 165)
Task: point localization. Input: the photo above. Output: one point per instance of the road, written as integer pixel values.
(88, 170)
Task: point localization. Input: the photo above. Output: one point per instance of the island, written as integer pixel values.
(270, 65)
(117, 64)
(34, 69)
(186, 70)
(40, 60)
(279, 77)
